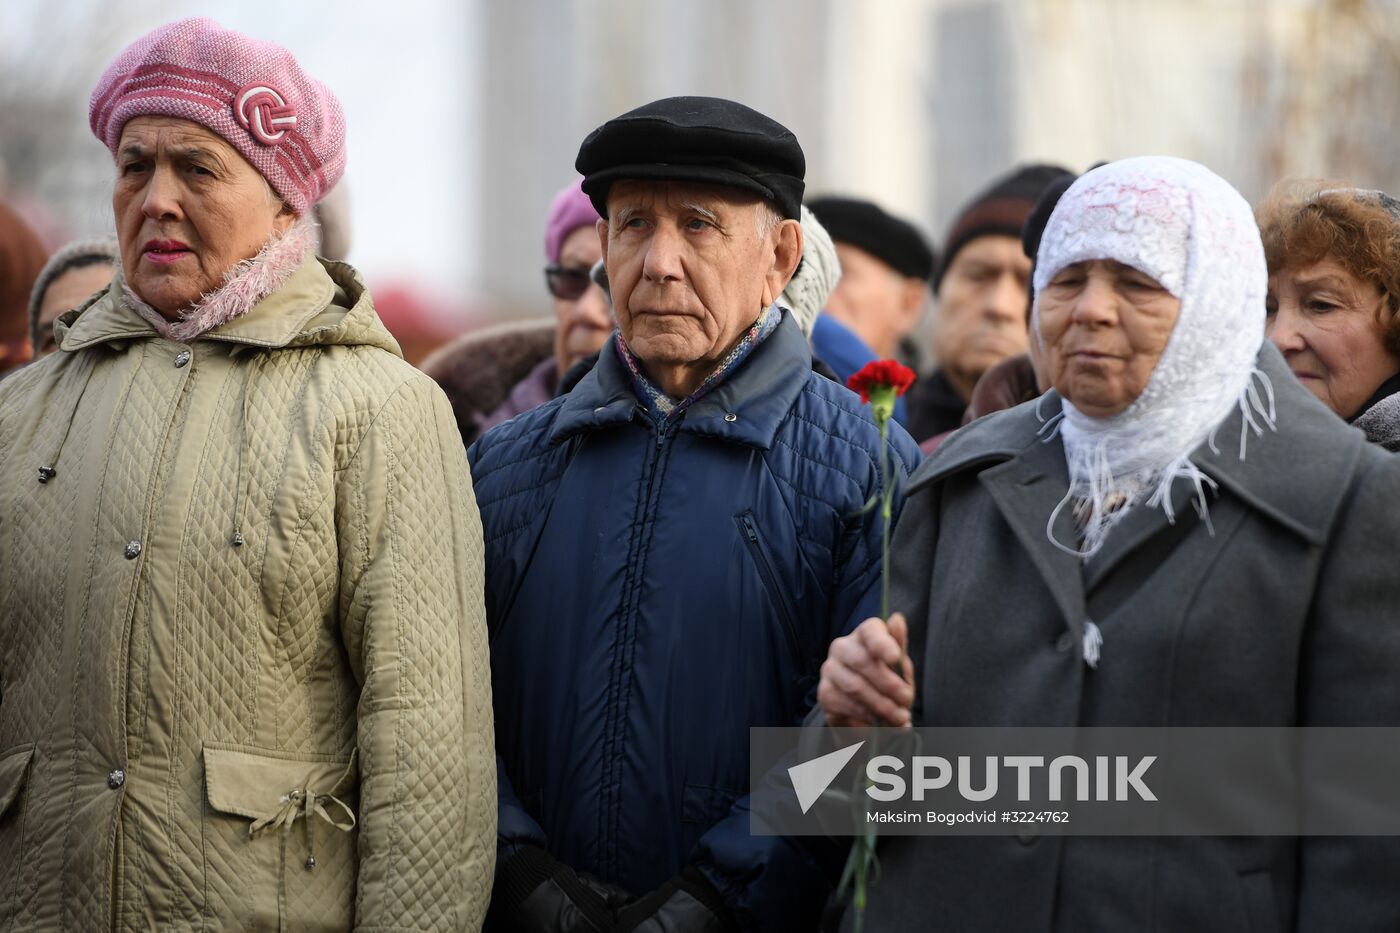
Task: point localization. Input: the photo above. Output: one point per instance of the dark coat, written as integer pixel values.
(652, 594)
(934, 406)
(478, 370)
(1285, 616)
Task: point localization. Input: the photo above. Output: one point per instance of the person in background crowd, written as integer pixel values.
(22, 257)
(672, 545)
(885, 266)
(1018, 378)
(493, 375)
(982, 285)
(1334, 298)
(73, 274)
(880, 297)
(245, 668)
(1184, 547)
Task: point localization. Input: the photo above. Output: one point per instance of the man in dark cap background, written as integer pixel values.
(983, 297)
(880, 297)
(670, 548)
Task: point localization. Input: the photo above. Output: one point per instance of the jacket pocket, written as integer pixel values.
(14, 774)
(279, 839)
(14, 771)
(763, 561)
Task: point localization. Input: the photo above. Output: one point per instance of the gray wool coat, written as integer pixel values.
(1288, 614)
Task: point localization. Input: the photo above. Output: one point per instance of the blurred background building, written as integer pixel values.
(465, 115)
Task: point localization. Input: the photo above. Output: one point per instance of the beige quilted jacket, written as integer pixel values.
(243, 670)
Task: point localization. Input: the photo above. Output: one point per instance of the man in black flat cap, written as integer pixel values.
(880, 297)
(671, 546)
(982, 286)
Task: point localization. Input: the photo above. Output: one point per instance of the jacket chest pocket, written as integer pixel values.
(279, 839)
(772, 584)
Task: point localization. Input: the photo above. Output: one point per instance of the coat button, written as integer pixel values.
(116, 779)
(133, 550)
(730, 417)
(1025, 839)
(1064, 643)
(182, 358)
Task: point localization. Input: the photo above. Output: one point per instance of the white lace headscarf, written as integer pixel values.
(1187, 228)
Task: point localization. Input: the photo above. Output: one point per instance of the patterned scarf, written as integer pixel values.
(661, 406)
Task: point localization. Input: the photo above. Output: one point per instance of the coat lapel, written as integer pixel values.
(1026, 490)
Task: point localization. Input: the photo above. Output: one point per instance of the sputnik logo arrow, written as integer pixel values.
(811, 778)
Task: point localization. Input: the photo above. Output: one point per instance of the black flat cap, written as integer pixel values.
(863, 224)
(704, 139)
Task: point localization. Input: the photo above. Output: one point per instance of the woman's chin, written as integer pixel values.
(164, 296)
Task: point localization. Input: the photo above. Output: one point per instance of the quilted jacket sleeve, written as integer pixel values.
(415, 630)
(760, 877)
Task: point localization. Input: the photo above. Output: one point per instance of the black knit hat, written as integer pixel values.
(1034, 227)
(1001, 209)
(704, 139)
(895, 242)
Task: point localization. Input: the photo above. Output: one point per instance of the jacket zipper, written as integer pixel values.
(615, 728)
(770, 580)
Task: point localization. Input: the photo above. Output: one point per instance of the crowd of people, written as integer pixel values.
(294, 635)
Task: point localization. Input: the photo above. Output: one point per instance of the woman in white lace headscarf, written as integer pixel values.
(1177, 534)
(1149, 310)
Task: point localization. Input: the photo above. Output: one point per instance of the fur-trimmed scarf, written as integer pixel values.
(245, 284)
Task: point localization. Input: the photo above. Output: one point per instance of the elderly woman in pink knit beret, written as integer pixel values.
(243, 676)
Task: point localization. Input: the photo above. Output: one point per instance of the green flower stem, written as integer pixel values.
(862, 855)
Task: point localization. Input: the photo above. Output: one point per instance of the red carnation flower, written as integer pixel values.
(879, 374)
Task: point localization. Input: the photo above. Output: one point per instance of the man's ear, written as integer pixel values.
(602, 227)
(787, 253)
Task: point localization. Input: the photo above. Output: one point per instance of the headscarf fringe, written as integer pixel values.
(1097, 487)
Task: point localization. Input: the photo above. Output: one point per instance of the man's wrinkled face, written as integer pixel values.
(691, 266)
(981, 316)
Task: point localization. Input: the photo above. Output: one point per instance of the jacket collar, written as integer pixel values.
(746, 408)
(273, 322)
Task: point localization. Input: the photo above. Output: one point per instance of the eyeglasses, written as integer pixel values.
(566, 283)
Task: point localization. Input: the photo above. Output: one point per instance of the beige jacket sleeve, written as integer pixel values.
(414, 626)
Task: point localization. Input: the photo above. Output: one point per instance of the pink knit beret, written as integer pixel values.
(252, 93)
(571, 209)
